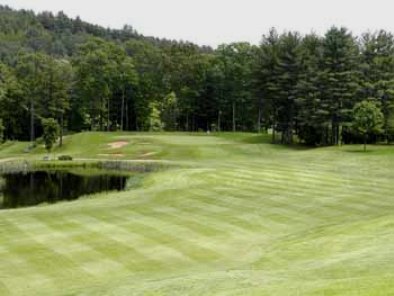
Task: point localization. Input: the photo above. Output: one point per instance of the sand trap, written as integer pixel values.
(113, 154)
(119, 144)
(148, 154)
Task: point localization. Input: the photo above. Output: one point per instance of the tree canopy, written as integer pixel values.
(367, 119)
(91, 78)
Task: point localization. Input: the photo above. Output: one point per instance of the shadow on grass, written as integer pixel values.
(267, 139)
(359, 150)
(295, 146)
(257, 139)
(378, 149)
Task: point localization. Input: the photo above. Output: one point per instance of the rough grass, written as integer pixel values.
(243, 217)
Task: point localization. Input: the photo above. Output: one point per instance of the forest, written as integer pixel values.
(300, 88)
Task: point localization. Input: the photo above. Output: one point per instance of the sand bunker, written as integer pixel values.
(112, 155)
(119, 144)
(148, 154)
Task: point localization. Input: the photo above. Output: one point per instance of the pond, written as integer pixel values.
(26, 189)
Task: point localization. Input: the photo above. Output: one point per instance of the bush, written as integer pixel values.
(65, 158)
(2, 128)
(51, 132)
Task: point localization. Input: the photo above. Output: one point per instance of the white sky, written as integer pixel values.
(211, 22)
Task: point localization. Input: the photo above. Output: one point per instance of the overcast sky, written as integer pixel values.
(211, 22)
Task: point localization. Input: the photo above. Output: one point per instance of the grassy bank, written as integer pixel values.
(235, 216)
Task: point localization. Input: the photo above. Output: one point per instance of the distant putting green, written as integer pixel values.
(235, 216)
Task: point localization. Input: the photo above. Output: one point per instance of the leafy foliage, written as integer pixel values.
(1, 130)
(90, 78)
(367, 118)
(51, 132)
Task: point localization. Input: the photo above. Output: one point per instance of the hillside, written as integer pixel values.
(306, 88)
(236, 216)
(58, 34)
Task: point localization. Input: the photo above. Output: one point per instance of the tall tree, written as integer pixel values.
(377, 70)
(288, 76)
(13, 108)
(126, 81)
(186, 70)
(312, 117)
(367, 119)
(153, 81)
(266, 79)
(30, 71)
(339, 79)
(237, 60)
(93, 66)
(51, 132)
(55, 101)
(1, 131)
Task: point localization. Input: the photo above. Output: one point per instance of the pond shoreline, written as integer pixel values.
(23, 165)
(134, 171)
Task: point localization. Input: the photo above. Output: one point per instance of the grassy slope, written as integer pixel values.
(247, 218)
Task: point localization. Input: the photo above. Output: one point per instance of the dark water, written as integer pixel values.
(33, 188)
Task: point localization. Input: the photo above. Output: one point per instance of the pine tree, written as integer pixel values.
(378, 74)
(267, 74)
(339, 78)
(288, 75)
(312, 117)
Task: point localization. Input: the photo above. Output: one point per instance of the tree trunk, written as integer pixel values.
(273, 132)
(91, 116)
(31, 183)
(386, 130)
(340, 128)
(61, 129)
(32, 111)
(61, 185)
(122, 111)
(259, 120)
(108, 115)
(365, 142)
(234, 127)
(127, 116)
(101, 114)
(219, 123)
(334, 134)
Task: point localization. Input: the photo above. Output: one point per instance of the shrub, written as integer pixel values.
(2, 128)
(51, 132)
(65, 158)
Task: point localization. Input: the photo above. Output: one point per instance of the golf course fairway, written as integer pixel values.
(231, 214)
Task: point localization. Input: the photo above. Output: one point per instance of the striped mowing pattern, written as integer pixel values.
(267, 221)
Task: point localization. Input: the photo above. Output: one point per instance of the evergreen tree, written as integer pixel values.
(312, 116)
(339, 77)
(288, 71)
(31, 73)
(267, 77)
(13, 110)
(377, 70)
(1, 131)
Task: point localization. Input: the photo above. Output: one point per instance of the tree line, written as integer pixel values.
(299, 87)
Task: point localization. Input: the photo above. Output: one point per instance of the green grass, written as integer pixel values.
(238, 216)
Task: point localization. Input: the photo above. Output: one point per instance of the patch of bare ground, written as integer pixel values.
(111, 154)
(118, 144)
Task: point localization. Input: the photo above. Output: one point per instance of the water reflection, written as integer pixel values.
(32, 188)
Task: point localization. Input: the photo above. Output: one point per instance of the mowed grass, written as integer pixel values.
(242, 217)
